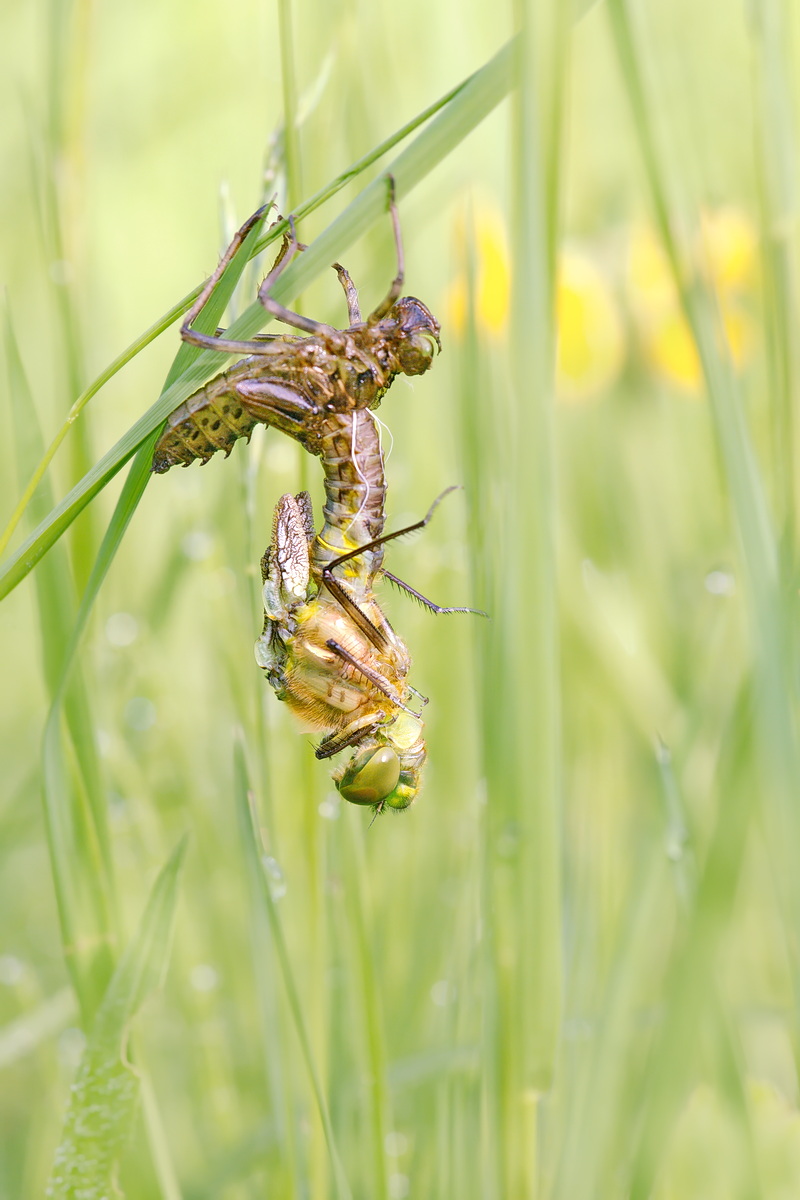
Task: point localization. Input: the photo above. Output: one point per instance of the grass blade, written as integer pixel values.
(254, 855)
(690, 991)
(76, 832)
(105, 1093)
(78, 852)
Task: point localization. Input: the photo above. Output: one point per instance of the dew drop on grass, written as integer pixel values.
(197, 545)
(720, 583)
(140, 713)
(204, 977)
(395, 1144)
(12, 969)
(71, 1045)
(122, 629)
(442, 993)
(331, 806)
(275, 877)
(398, 1186)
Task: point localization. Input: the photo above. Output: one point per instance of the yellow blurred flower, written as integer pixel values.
(729, 247)
(669, 348)
(649, 275)
(591, 339)
(492, 276)
(729, 240)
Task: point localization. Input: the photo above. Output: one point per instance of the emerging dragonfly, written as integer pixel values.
(327, 648)
(330, 653)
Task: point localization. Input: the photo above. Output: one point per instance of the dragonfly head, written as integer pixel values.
(415, 335)
(384, 775)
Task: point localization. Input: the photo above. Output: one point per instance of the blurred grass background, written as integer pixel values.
(571, 969)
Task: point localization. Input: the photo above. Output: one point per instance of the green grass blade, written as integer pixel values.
(80, 871)
(596, 1106)
(77, 824)
(535, 633)
(691, 989)
(479, 95)
(55, 592)
(266, 901)
(97, 385)
(507, 435)
(183, 378)
(105, 1092)
(291, 131)
(777, 164)
(367, 986)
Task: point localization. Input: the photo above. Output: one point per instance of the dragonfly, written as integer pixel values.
(327, 648)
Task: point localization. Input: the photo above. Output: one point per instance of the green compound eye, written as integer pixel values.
(374, 779)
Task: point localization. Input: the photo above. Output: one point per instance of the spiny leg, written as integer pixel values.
(353, 734)
(265, 345)
(397, 282)
(187, 333)
(437, 609)
(359, 618)
(374, 677)
(337, 590)
(386, 537)
(351, 295)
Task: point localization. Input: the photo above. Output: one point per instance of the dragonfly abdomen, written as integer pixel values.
(210, 420)
(355, 494)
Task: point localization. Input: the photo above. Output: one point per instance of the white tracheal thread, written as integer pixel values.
(360, 475)
(382, 428)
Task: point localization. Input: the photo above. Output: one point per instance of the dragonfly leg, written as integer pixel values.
(279, 311)
(397, 282)
(388, 537)
(353, 307)
(355, 732)
(336, 588)
(437, 609)
(266, 337)
(356, 614)
(375, 677)
(208, 341)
